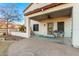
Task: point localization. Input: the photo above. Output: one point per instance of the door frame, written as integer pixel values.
(63, 25)
(51, 29)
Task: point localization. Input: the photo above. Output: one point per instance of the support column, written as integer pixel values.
(27, 24)
(75, 29)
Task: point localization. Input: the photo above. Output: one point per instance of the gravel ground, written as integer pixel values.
(4, 44)
(4, 47)
(33, 47)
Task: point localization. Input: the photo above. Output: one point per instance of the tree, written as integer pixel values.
(10, 13)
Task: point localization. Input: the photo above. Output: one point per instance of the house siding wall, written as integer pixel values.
(75, 35)
(43, 25)
(68, 27)
(35, 6)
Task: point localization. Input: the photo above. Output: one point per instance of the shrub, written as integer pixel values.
(22, 28)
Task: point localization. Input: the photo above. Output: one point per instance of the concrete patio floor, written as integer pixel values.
(33, 47)
(64, 41)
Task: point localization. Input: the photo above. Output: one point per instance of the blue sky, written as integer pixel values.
(21, 7)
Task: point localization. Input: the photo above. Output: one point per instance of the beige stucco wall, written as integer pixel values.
(75, 35)
(35, 6)
(43, 29)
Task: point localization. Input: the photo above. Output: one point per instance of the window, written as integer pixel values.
(36, 27)
(60, 26)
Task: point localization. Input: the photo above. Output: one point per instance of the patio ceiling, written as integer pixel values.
(59, 13)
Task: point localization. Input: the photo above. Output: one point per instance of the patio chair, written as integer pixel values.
(58, 33)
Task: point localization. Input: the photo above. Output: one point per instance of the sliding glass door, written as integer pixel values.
(50, 28)
(60, 26)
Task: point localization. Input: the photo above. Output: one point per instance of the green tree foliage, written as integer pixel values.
(22, 28)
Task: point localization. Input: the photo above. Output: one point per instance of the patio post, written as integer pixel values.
(75, 27)
(27, 23)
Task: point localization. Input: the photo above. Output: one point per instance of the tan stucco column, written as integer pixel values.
(27, 24)
(75, 30)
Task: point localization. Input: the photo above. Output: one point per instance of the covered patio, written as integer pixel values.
(54, 20)
(54, 14)
(63, 15)
(66, 11)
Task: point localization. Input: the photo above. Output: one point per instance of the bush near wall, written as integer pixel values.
(22, 28)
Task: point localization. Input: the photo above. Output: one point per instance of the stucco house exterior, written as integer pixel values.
(47, 18)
